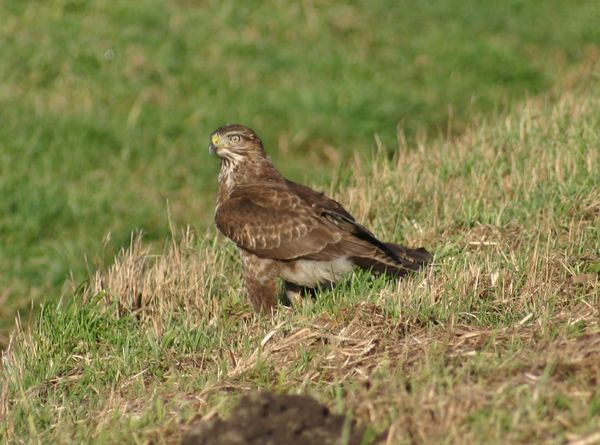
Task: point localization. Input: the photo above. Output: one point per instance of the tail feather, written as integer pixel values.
(419, 255)
(405, 260)
(367, 252)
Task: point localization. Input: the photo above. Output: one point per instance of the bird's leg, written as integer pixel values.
(262, 292)
(294, 293)
(260, 279)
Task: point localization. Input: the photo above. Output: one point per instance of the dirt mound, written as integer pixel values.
(269, 419)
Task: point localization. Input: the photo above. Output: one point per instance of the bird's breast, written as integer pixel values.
(312, 273)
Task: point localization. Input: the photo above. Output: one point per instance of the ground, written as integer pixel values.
(497, 342)
(269, 419)
(106, 107)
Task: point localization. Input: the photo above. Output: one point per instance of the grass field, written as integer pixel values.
(472, 128)
(105, 107)
(499, 342)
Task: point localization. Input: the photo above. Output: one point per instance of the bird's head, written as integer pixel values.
(235, 143)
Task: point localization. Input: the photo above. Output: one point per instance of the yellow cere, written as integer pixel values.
(215, 138)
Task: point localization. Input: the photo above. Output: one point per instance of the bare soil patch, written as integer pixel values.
(270, 419)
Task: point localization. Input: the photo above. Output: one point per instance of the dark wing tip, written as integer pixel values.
(419, 255)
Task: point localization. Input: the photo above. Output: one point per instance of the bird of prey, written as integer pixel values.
(286, 230)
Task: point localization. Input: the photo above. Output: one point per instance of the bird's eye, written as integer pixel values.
(235, 138)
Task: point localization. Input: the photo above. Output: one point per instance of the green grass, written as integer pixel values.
(496, 343)
(105, 108)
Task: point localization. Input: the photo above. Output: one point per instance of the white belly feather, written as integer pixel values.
(311, 273)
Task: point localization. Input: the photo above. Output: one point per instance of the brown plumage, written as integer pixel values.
(286, 230)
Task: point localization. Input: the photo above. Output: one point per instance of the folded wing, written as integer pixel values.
(270, 221)
(288, 221)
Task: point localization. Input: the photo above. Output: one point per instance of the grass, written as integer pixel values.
(106, 107)
(497, 343)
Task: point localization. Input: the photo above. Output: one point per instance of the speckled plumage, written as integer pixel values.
(286, 230)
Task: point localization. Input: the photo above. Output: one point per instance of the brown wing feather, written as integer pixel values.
(317, 199)
(288, 221)
(270, 221)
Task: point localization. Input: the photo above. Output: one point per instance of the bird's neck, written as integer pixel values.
(244, 172)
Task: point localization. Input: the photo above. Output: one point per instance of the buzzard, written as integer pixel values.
(286, 230)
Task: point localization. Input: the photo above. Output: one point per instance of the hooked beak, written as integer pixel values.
(212, 147)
